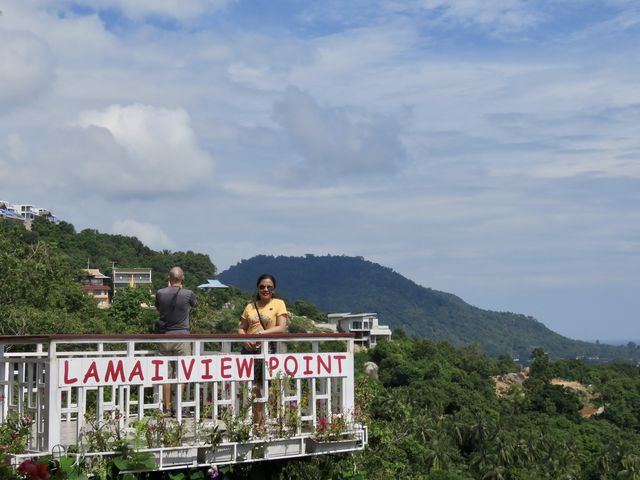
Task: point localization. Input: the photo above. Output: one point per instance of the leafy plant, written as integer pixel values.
(14, 434)
(284, 414)
(160, 430)
(68, 468)
(239, 426)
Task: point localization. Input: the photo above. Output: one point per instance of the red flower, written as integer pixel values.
(323, 424)
(35, 471)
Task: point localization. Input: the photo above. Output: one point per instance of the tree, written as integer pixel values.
(133, 311)
(309, 310)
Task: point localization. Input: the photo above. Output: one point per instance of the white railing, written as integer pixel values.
(283, 397)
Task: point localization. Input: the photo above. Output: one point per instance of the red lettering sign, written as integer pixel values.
(287, 368)
(224, 366)
(207, 362)
(307, 364)
(156, 377)
(327, 366)
(273, 364)
(114, 373)
(67, 380)
(187, 373)
(136, 371)
(149, 370)
(244, 366)
(92, 372)
(339, 359)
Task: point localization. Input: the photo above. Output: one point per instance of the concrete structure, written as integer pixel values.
(56, 380)
(131, 277)
(96, 285)
(365, 326)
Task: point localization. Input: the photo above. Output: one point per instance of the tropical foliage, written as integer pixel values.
(432, 413)
(103, 251)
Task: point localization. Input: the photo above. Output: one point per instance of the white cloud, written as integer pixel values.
(505, 15)
(178, 9)
(151, 235)
(495, 16)
(334, 141)
(27, 68)
(145, 150)
(424, 143)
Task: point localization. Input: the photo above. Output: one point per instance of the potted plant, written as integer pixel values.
(332, 435)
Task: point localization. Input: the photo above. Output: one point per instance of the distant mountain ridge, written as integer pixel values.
(353, 284)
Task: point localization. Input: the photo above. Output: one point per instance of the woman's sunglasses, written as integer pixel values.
(266, 287)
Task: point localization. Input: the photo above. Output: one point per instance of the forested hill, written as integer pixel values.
(103, 250)
(353, 284)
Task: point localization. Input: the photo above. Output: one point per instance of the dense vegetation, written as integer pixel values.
(103, 251)
(352, 284)
(40, 292)
(433, 413)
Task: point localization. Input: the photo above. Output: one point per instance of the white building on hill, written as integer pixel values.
(25, 213)
(365, 326)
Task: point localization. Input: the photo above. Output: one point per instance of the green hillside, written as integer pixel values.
(353, 284)
(103, 250)
(432, 412)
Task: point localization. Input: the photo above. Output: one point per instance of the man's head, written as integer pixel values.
(176, 276)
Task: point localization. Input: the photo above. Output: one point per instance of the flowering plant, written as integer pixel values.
(213, 472)
(332, 429)
(34, 470)
(14, 434)
(14, 437)
(99, 433)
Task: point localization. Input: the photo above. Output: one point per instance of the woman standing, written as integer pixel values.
(265, 314)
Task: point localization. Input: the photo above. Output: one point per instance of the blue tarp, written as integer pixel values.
(213, 284)
(9, 214)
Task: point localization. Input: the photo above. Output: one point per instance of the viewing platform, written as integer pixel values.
(91, 394)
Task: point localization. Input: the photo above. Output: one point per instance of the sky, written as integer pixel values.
(485, 148)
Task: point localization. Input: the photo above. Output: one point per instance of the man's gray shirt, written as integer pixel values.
(173, 303)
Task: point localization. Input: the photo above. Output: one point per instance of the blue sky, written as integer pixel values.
(486, 148)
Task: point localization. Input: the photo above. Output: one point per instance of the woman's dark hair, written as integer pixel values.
(265, 276)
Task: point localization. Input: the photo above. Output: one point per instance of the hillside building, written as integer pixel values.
(131, 277)
(365, 326)
(96, 285)
(8, 211)
(25, 213)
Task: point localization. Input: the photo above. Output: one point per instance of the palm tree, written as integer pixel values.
(630, 467)
(438, 455)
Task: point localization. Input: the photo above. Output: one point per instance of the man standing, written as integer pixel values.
(173, 304)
